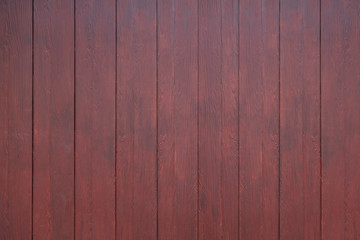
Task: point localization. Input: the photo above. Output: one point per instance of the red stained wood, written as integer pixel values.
(300, 119)
(53, 187)
(15, 119)
(95, 120)
(218, 119)
(177, 119)
(259, 119)
(136, 201)
(340, 58)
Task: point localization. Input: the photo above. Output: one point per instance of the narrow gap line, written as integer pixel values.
(279, 125)
(32, 119)
(74, 119)
(221, 130)
(238, 116)
(157, 121)
(320, 125)
(198, 119)
(115, 164)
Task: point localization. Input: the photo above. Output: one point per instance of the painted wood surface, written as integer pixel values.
(136, 166)
(15, 120)
(95, 119)
(340, 109)
(218, 119)
(53, 109)
(179, 119)
(259, 119)
(300, 119)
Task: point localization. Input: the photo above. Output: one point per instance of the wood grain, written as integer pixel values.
(259, 119)
(136, 201)
(218, 119)
(177, 119)
(95, 119)
(340, 58)
(15, 119)
(53, 120)
(300, 119)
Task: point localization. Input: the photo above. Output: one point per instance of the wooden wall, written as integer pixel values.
(180, 119)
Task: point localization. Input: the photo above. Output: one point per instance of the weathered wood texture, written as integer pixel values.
(95, 119)
(300, 119)
(340, 72)
(15, 119)
(259, 119)
(179, 119)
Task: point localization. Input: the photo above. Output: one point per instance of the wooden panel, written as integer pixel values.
(340, 72)
(15, 119)
(136, 199)
(259, 119)
(95, 119)
(300, 119)
(177, 118)
(53, 119)
(218, 119)
(207, 119)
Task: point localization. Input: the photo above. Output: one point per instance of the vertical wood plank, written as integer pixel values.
(15, 119)
(300, 119)
(95, 119)
(218, 119)
(136, 120)
(53, 120)
(340, 72)
(259, 119)
(177, 114)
